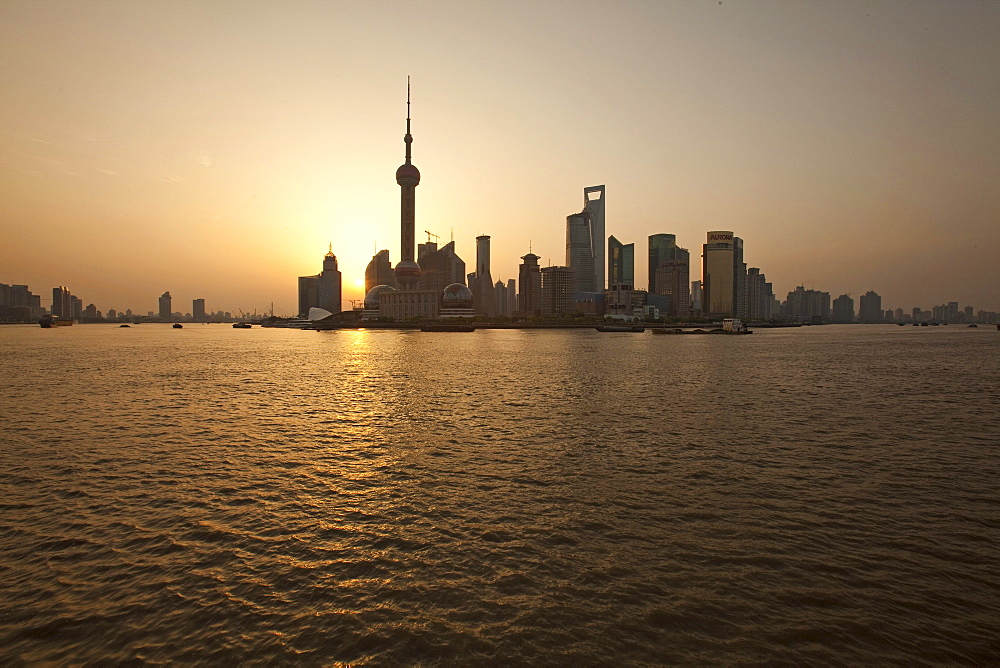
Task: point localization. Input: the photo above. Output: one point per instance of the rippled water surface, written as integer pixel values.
(211, 495)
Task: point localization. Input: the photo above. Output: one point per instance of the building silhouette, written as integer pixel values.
(811, 306)
(529, 279)
(870, 308)
(408, 178)
(558, 295)
(843, 309)
(759, 295)
(165, 311)
(409, 301)
(324, 290)
(723, 276)
(672, 280)
(585, 242)
(198, 310)
(439, 267)
(621, 263)
(379, 271)
(483, 297)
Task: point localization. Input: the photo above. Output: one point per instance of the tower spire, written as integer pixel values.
(408, 138)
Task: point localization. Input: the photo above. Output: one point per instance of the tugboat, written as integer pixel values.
(49, 321)
(734, 326)
(242, 325)
(620, 328)
(447, 328)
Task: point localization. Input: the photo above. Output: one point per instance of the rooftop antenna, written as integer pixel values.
(408, 138)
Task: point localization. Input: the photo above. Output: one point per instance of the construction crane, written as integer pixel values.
(431, 234)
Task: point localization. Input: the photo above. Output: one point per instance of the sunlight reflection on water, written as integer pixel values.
(279, 496)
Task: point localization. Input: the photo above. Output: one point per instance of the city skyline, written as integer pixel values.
(125, 186)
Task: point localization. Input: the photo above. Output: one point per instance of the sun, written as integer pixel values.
(359, 282)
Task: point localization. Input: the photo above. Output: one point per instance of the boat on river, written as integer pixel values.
(242, 325)
(49, 321)
(178, 325)
(447, 328)
(620, 328)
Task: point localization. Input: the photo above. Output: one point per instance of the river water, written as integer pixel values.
(211, 495)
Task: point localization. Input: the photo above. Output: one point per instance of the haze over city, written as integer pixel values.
(216, 149)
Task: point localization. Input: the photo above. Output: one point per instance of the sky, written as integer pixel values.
(215, 149)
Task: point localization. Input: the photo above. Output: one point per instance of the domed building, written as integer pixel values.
(372, 299)
(456, 302)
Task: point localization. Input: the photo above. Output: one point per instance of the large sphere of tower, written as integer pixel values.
(407, 273)
(407, 175)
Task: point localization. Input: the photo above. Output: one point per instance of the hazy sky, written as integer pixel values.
(214, 149)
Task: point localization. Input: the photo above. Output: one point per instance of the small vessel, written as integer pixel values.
(178, 325)
(49, 321)
(667, 330)
(124, 325)
(974, 325)
(447, 328)
(242, 325)
(620, 328)
(734, 326)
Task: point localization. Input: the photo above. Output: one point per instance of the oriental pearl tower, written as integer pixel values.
(407, 176)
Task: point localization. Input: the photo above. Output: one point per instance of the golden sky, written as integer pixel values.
(215, 148)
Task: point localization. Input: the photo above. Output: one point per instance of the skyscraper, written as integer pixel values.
(843, 309)
(329, 288)
(670, 273)
(408, 177)
(557, 290)
(483, 296)
(165, 312)
(870, 308)
(529, 278)
(198, 310)
(585, 242)
(594, 203)
(621, 263)
(723, 276)
(440, 267)
(673, 280)
(322, 290)
(379, 271)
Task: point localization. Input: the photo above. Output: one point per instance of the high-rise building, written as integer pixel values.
(408, 177)
(440, 267)
(511, 297)
(672, 279)
(324, 290)
(529, 278)
(379, 271)
(585, 242)
(329, 289)
(621, 263)
(483, 297)
(807, 305)
(723, 275)
(198, 310)
(696, 296)
(500, 298)
(759, 295)
(843, 309)
(558, 295)
(870, 308)
(308, 294)
(165, 313)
